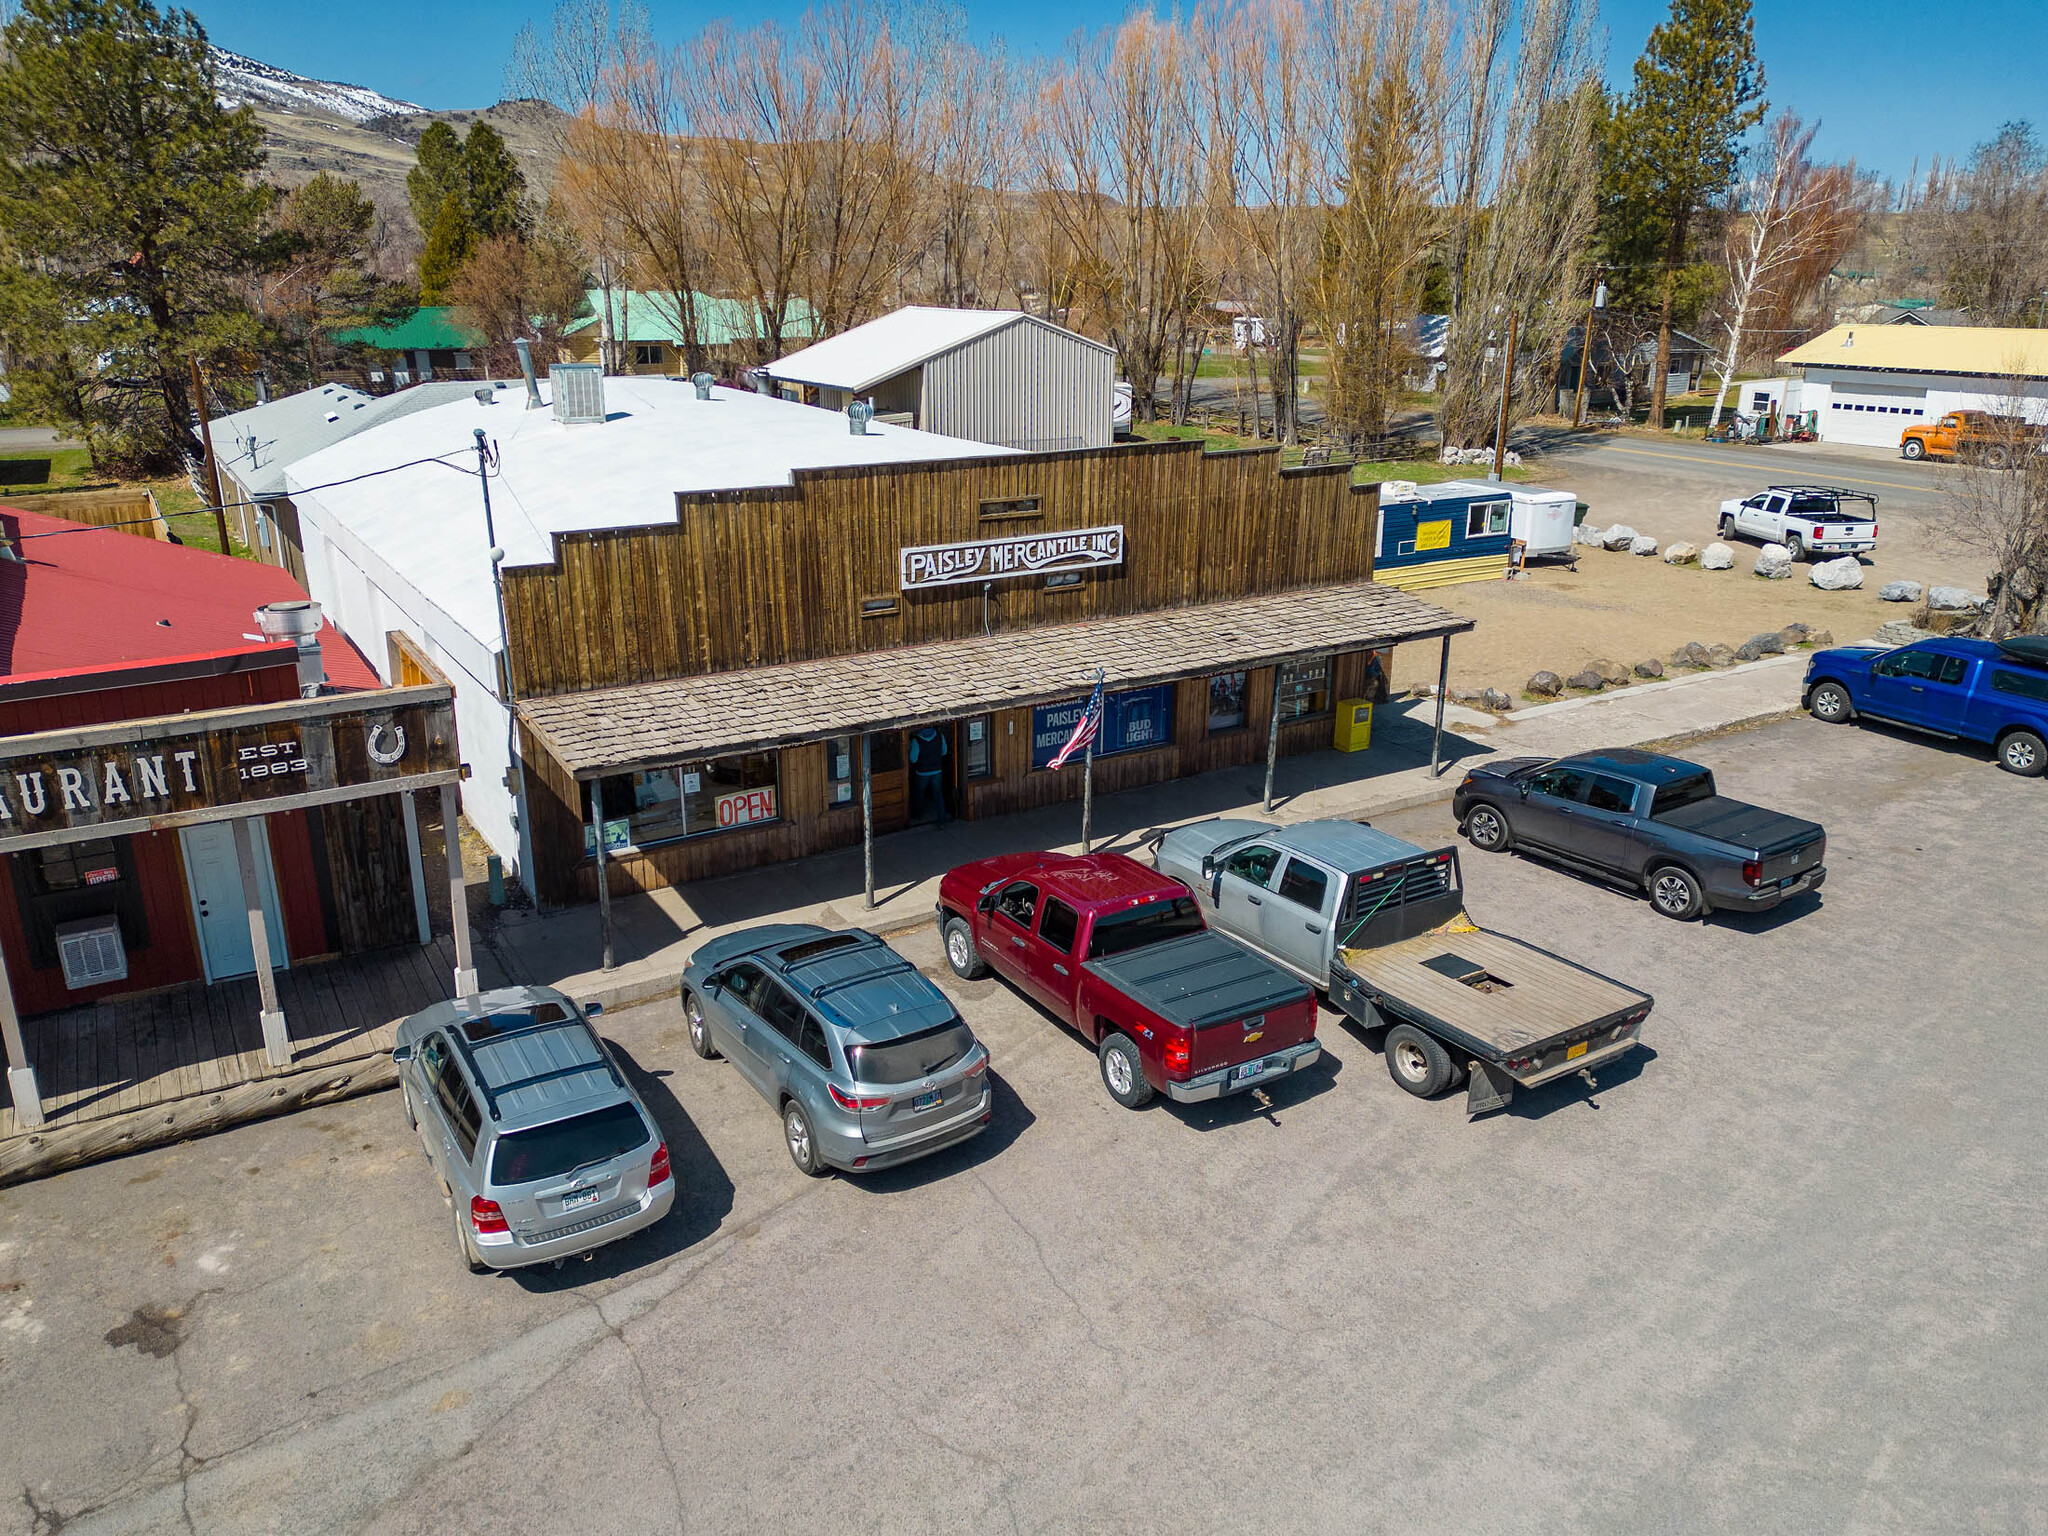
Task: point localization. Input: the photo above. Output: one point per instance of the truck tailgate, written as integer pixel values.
(1498, 995)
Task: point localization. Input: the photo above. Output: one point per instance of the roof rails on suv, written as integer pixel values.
(539, 1021)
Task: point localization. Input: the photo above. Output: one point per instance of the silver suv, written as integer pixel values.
(864, 1059)
(543, 1148)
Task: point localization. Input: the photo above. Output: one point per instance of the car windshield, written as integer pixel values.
(907, 1059)
(1683, 792)
(549, 1151)
(1171, 917)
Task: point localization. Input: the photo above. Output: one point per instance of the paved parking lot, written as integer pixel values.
(1782, 1273)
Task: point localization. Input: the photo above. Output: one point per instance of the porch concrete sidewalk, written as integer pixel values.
(654, 933)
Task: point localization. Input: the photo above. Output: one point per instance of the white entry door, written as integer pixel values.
(214, 878)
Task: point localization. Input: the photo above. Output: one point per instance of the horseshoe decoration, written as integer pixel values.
(387, 743)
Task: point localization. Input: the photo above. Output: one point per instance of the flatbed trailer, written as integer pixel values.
(1510, 1015)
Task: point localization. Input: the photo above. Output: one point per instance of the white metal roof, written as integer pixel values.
(426, 522)
(257, 444)
(866, 355)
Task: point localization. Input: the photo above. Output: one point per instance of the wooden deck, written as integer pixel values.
(1545, 996)
(119, 1076)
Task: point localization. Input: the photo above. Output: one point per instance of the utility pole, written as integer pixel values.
(1586, 345)
(220, 512)
(1507, 385)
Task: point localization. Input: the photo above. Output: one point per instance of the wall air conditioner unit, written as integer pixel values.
(91, 952)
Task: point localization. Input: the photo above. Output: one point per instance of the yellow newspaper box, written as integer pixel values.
(1354, 725)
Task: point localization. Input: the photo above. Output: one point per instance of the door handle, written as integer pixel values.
(1255, 901)
(1018, 942)
(1313, 927)
(1061, 968)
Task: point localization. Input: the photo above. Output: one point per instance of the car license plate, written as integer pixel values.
(1247, 1072)
(926, 1101)
(1573, 1052)
(577, 1199)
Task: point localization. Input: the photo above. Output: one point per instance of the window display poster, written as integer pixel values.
(618, 835)
(1133, 721)
(746, 806)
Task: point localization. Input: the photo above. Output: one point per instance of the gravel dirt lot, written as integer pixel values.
(1629, 607)
(1782, 1272)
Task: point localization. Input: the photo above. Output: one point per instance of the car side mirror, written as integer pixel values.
(592, 1010)
(1522, 789)
(400, 1055)
(714, 983)
(986, 905)
(1208, 865)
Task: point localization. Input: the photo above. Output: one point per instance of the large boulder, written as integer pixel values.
(1681, 553)
(1717, 557)
(1642, 544)
(1901, 632)
(1651, 667)
(1620, 536)
(1899, 592)
(1773, 561)
(1497, 700)
(1822, 638)
(1585, 533)
(1756, 647)
(1952, 600)
(1608, 671)
(1691, 654)
(1837, 575)
(1719, 655)
(1546, 684)
(1589, 680)
(1795, 633)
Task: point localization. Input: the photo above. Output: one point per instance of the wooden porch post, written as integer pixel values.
(1436, 740)
(867, 816)
(21, 1072)
(417, 864)
(604, 874)
(458, 896)
(1273, 738)
(277, 1042)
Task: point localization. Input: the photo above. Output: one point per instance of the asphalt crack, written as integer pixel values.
(1038, 1249)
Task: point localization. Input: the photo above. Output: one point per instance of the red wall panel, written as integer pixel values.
(68, 711)
(298, 886)
(172, 954)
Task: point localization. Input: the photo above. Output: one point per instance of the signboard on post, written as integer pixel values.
(1031, 554)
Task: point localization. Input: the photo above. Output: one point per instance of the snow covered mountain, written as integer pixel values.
(249, 81)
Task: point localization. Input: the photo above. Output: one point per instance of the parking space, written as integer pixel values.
(1780, 1272)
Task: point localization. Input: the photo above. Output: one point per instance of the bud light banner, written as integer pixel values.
(1135, 721)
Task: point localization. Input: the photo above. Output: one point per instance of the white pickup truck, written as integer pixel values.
(1815, 522)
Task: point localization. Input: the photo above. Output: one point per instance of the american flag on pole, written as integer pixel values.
(1085, 728)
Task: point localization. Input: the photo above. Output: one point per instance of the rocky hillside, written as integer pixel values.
(353, 131)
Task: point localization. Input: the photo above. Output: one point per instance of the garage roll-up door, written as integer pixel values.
(1871, 413)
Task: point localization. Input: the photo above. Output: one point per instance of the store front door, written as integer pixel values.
(888, 770)
(214, 879)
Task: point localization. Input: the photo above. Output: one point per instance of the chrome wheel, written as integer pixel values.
(798, 1132)
(696, 1024)
(1410, 1062)
(1829, 703)
(1485, 828)
(1116, 1066)
(2022, 753)
(1673, 895)
(959, 948)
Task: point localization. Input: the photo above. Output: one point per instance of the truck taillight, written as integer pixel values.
(1179, 1053)
(856, 1102)
(486, 1216)
(1752, 873)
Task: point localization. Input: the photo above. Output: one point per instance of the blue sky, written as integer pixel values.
(1891, 80)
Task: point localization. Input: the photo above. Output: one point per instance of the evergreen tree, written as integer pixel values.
(494, 188)
(129, 201)
(437, 172)
(329, 227)
(449, 244)
(1698, 89)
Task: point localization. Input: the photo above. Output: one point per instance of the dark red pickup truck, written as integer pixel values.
(1121, 953)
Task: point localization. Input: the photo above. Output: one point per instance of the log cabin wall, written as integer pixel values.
(758, 577)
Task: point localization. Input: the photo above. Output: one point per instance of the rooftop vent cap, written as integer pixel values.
(858, 415)
(334, 415)
(703, 382)
(579, 392)
(297, 620)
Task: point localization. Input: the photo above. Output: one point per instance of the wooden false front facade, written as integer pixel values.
(739, 656)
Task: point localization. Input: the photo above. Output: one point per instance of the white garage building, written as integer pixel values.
(1868, 383)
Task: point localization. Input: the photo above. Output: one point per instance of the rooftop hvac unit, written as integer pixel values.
(579, 391)
(91, 952)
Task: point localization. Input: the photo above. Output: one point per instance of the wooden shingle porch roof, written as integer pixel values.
(643, 725)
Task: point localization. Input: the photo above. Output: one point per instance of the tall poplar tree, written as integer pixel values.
(130, 206)
(1698, 89)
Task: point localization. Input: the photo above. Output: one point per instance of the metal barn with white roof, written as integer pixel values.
(994, 375)
(1868, 383)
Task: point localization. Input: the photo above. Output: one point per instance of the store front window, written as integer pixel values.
(839, 780)
(659, 805)
(1305, 689)
(1226, 702)
(976, 747)
(1134, 721)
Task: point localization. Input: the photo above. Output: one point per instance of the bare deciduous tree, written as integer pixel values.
(1981, 229)
(1792, 221)
(1998, 507)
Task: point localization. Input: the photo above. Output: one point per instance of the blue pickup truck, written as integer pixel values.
(1995, 692)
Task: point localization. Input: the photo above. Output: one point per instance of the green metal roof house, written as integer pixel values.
(428, 341)
(647, 323)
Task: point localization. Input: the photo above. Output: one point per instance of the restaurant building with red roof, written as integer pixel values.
(200, 780)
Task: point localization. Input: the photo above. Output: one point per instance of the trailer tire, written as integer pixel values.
(960, 954)
(1123, 1072)
(1418, 1061)
(1486, 828)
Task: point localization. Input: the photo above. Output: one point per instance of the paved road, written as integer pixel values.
(1783, 1273)
(1898, 485)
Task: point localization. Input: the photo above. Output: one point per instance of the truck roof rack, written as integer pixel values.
(1821, 490)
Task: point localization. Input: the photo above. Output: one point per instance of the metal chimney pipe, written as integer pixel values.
(525, 351)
